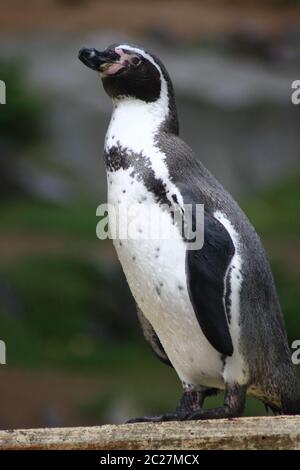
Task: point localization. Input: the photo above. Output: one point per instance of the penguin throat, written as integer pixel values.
(141, 118)
(137, 117)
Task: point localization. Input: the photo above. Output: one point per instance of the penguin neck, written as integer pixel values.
(135, 123)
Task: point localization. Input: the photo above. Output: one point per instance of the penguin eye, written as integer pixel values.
(136, 61)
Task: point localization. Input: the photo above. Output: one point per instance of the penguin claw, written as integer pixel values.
(155, 419)
(201, 414)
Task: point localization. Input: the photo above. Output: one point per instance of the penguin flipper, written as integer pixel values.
(152, 338)
(206, 271)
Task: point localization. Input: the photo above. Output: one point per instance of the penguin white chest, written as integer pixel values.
(155, 271)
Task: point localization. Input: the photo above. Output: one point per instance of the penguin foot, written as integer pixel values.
(214, 413)
(190, 402)
(234, 404)
(190, 409)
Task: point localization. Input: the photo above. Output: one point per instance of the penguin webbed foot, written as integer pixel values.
(190, 407)
(190, 402)
(213, 413)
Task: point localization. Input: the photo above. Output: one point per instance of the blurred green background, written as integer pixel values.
(75, 354)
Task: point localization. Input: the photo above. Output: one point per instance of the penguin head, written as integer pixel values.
(127, 71)
(131, 72)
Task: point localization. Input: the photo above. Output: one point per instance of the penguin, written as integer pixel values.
(212, 313)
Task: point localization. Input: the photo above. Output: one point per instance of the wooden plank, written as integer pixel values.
(278, 432)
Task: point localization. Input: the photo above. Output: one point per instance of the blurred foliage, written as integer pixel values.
(77, 220)
(276, 212)
(20, 126)
(287, 283)
(65, 310)
(20, 118)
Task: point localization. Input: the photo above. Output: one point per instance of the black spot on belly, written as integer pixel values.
(157, 290)
(174, 197)
(180, 287)
(121, 158)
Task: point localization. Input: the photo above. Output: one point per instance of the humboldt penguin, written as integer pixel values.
(210, 311)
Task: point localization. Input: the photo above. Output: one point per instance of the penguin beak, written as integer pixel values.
(107, 62)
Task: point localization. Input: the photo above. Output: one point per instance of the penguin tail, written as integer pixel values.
(290, 397)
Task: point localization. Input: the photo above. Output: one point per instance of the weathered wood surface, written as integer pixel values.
(280, 432)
